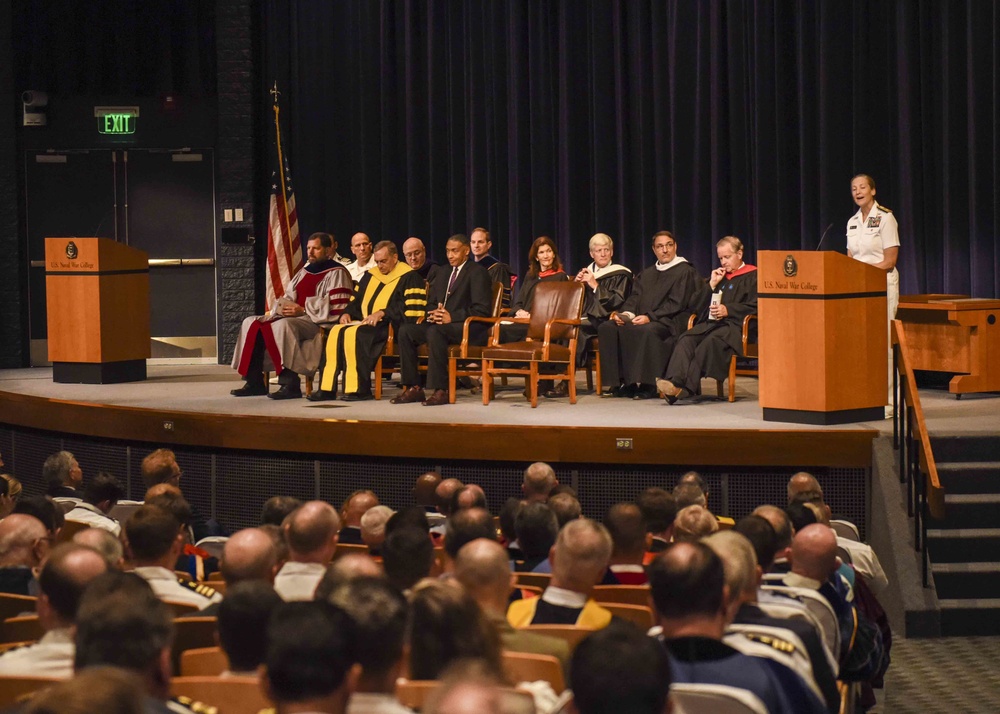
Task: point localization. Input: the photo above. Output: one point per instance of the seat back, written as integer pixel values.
(227, 695)
(623, 594)
(526, 667)
(819, 608)
(192, 633)
(496, 300)
(123, 510)
(555, 301)
(70, 529)
(14, 689)
(21, 629)
(15, 605)
(203, 662)
(415, 693)
(538, 580)
(182, 609)
(845, 529)
(715, 698)
(639, 615)
(213, 545)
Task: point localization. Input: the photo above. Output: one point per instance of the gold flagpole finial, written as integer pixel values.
(274, 92)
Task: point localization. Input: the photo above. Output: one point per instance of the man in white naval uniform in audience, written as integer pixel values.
(311, 532)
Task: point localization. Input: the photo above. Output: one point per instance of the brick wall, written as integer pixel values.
(237, 164)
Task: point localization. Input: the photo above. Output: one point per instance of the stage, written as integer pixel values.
(237, 451)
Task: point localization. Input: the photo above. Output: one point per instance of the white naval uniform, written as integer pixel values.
(866, 241)
(298, 581)
(52, 656)
(358, 271)
(95, 517)
(167, 586)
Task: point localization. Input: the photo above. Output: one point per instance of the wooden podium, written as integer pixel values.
(97, 293)
(824, 345)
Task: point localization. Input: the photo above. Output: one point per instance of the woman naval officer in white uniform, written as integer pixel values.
(873, 238)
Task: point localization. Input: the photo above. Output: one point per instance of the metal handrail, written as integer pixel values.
(916, 457)
(156, 262)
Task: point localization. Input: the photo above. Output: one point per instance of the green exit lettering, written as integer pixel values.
(116, 124)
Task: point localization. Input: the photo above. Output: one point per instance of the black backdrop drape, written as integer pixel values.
(627, 116)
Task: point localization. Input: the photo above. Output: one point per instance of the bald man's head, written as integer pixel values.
(425, 487)
(444, 491)
(67, 572)
(781, 524)
(249, 554)
(311, 532)
(539, 480)
(814, 552)
(483, 568)
(801, 482)
(356, 505)
(23, 541)
(581, 555)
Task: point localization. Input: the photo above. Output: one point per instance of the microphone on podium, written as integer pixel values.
(824, 236)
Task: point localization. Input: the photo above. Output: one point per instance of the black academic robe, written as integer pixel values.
(613, 288)
(637, 354)
(706, 349)
(429, 271)
(499, 273)
(354, 349)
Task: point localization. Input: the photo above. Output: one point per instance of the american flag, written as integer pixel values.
(284, 251)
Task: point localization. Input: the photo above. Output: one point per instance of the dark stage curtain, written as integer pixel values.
(704, 117)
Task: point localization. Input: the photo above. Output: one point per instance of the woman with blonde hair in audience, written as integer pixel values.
(9, 499)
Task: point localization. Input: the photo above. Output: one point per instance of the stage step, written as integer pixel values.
(970, 617)
(966, 580)
(969, 510)
(957, 545)
(969, 476)
(980, 447)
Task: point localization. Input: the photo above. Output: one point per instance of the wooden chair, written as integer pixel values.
(203, 662)
(215, 577)
(25, 628)
(538, 580)
(570, 634)
(70, 529)
(192, 633)
(16, 689)
(390, 352)
(464, 352)
(15, 605)
(530, 590)
(639, 615)
(622, 594)
(228, 695)
(345, 548)
(4, 646)
(555, 316)
(748, 357)
(414, 693)
(525, 667)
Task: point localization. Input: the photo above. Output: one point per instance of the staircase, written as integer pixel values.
(964, 546)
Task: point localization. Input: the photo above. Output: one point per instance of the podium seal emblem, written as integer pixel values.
(71, 250)
(791, 267)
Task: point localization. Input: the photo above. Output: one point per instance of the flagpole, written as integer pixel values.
(281, 160)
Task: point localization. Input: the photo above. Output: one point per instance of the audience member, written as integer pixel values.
(508, 517)
(378, 614)
(694, 523)
(565, 507)
(484, 571)
(311, 533)
(67, 571)
(464, 527)
(619, 669)
(688, 586)
(350, 513)
(409, 517)
(373, 524)
(243, 618)
(443, 493)
(63, 476)
(345, 569)
(45, 509)
(469, 496)
(800, 516)
(539, 480)
(156, 540)
(659, 509)
(107, 546)
(470, 686)
(407, 556)
(425, 490)
(629, 543)
(277, 508)
(447, 625)
(24, 544)
(536, 529)
(579, 561)
(783, 533)
(249, 554)
(108, 690)
(277, 536)
(160, 466)
(99, 497)
(309, 666)
(760, 534)
(687, 494)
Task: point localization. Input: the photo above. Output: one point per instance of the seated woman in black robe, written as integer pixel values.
(706, 349)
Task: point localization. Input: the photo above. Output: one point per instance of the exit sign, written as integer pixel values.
(116, 124)
(116, 120)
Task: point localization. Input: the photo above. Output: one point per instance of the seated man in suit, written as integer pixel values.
(579, 561)
(390, 294)
(465, 292)
(480, 244)
(288, 339)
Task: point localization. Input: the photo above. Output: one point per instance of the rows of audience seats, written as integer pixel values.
(438, 605)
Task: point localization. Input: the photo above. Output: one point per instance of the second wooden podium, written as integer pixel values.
(97, 295)
(824, 349)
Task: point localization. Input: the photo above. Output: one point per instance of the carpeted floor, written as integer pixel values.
(942, 676)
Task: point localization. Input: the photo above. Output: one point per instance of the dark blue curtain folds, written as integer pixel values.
(707, 117)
